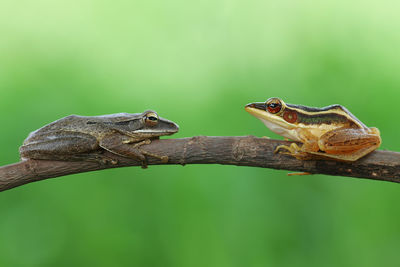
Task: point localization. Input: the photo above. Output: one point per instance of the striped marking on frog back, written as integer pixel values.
(330, 115)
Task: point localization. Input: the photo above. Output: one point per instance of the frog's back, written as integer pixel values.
(71, 122)
(93, 125)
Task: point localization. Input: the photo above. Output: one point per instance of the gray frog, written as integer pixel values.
(76, 138)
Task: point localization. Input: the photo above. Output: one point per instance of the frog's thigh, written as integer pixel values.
(347, 141)
(61, 143)
(347, 144)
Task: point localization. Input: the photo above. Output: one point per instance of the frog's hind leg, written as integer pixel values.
(61, 142)
(347, 144)
(96, 156)
(65, 146)
(346, 156)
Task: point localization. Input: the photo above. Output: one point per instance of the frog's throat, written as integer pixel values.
(287, 132)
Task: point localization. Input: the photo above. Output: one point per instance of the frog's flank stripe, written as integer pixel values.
(329, 114)
(109, 122)
(328, 118)
(314, 109)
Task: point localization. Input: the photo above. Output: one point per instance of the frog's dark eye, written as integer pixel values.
(273, 105)
(151, 119)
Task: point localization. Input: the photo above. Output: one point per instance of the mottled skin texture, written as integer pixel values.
(329, 132)
(85, 138)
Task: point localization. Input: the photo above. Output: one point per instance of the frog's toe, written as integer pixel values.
(107, 160)
(164, 159)
(147, 142)
(288, 148)
(144, 164)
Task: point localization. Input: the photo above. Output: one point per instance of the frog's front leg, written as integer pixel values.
(164, 159)
(294, 150)
(309, 143)
(126, 146)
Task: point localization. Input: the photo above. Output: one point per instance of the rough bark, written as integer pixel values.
(234, 150)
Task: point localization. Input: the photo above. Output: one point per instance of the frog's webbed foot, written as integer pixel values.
(293, 150)
(107, 160)
(144, 153)
(164, 159)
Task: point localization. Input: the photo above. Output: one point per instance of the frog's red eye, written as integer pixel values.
(273, 105)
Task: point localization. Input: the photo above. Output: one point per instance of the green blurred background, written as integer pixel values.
(197, 63)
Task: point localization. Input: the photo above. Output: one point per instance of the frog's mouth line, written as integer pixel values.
(275, 123)
(269, 119)
(154, 131)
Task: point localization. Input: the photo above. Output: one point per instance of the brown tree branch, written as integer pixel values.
(235, 150)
